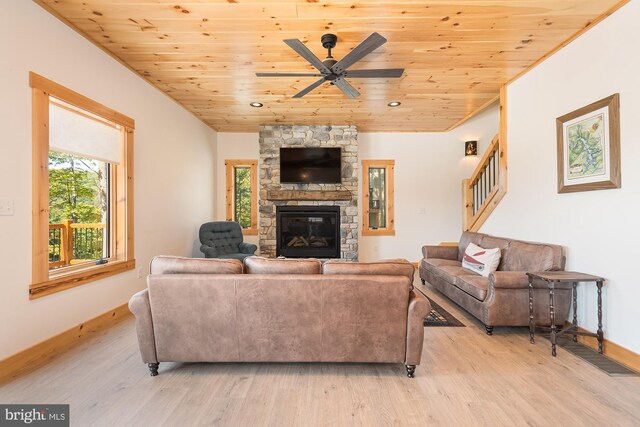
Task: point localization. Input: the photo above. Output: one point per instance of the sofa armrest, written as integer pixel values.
(419, 307)
(140, 306)
(509, 280)
(208, 251)
(247, 248)
(440, 252)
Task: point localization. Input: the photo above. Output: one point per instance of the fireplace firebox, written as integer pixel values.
(308, 231)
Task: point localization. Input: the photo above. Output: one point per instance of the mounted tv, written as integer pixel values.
(310, 165)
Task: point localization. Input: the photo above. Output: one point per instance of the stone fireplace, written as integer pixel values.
(273, 194)
(308, 231)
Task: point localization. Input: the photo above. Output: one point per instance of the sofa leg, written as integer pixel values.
(153, 368)
(411, 370)
(422, 280)
(489, 329)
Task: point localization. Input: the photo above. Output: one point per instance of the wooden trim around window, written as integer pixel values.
(80, 101)
(389, 165)
(44, 282)
(230, 167)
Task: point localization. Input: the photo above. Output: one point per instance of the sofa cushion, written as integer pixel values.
(524, 256)
(466, 238)
(164, 264)
(437, 262)
(450, 272)
(491, 242)
(480, 260)
(474, 285)
(260, 265)
(390, 267)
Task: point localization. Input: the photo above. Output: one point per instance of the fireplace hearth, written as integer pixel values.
(308, 231)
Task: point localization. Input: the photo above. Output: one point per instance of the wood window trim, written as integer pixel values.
(43, 282)
(389, 166)
(230, 167)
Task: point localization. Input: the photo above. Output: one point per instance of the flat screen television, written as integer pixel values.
(318, 165)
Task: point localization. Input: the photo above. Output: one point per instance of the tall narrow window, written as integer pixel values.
(82, 189)
(377, 184)
(242, 197)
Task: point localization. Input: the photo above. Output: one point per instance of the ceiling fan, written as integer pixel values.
(334, 71)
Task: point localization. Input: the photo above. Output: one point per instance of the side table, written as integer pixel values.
(551, 278)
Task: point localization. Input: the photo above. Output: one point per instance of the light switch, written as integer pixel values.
(6, 207)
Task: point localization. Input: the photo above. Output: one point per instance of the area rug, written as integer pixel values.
(438, 316)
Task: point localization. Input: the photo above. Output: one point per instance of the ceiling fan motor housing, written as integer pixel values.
(329, 62)
(329, 41)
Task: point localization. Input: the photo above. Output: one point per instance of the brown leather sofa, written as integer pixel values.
(273, 310)
(502, 299)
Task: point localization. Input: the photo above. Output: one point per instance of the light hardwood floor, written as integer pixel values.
(466, 378)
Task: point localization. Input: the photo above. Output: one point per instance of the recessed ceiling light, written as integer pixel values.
(256, 104)
(394, 104)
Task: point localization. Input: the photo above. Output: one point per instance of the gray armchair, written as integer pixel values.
(223, 239)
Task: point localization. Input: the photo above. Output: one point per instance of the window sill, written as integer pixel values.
(78, 278)
(379, 232)
(250, 231)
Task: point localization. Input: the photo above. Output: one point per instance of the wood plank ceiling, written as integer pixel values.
(205, 54)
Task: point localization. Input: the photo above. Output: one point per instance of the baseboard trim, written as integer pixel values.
(42, 353)
(612, 350)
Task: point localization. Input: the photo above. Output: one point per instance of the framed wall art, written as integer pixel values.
(589, 147)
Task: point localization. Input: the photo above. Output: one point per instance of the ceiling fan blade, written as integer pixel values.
(370, 44)
(288, 75)
(344, 86)
(309, 88)
(388, 73)
(304, 51)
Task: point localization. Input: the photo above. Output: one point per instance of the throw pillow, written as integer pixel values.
(480, 260)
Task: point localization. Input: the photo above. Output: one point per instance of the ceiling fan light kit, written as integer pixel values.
(335, 72)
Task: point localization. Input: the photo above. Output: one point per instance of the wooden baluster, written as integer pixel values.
(66, 242)
(495, 168)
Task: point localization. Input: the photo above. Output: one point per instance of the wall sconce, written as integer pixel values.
(471, 148)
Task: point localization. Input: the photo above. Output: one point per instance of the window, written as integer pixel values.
(377, 182)
(82, 189)
(242, 197)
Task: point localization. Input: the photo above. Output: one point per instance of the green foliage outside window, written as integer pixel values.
(77, 192)
(377, 198)
(242, 199)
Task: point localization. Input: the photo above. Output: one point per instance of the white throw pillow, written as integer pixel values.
(481, 261)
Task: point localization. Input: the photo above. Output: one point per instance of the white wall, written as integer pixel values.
(428, 177)
(429, 169)
(598, 228)
(174, 180)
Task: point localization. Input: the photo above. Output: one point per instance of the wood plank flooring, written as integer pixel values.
(466, 378)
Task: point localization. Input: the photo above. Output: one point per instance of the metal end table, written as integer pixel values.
(551, 278)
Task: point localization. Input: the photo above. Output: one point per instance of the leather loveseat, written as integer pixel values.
(273, 310)
(502, 299)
